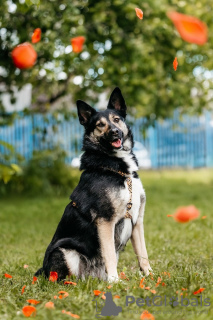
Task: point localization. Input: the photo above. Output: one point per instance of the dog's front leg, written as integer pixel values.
(138, 242)
(106, 231)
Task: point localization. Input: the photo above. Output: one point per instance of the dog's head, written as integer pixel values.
(105, 130)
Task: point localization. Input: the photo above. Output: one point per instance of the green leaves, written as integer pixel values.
(8, 171)
(135, 54)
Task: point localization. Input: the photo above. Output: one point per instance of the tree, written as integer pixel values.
(120, 50)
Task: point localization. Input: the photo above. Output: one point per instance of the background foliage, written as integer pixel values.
(45, 174)
(120, 49)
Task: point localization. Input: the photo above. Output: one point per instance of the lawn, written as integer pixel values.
(182, 250)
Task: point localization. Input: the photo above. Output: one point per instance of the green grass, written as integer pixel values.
(183, 250)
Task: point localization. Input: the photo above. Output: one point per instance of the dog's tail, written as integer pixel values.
(39, 272)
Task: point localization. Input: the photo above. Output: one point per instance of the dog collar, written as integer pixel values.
(129, 185)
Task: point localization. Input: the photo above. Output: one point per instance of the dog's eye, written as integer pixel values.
(116, 120)
(100, 125)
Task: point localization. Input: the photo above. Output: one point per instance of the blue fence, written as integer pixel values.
(182, 141)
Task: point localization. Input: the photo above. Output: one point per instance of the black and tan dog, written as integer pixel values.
(107, 206)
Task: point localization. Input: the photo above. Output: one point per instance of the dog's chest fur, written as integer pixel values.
(120, 198)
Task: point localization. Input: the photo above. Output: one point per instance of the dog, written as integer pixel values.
(107, 206)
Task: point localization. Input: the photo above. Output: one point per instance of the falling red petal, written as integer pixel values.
(186, 214)
(175, 64)
(191, 29)
(24, 56)
(77, 44)
(36, 37)
(139, 13)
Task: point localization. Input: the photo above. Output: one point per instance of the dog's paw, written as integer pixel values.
(146, 270)
(113, 279)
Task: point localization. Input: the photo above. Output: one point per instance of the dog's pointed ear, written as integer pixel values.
(85, 112)
(117, 102)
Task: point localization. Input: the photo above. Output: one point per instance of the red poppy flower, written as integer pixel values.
(32, 301)
(190, 28)
(34, 280)
(36, 37)
(8, 276)
(185, 214)
(22, 290)
(139, 13)
(77, 44)
(53, 276)
(146, 315)
(24, 56)
(175, 64)
(117, 296)
(29, 311)
(199, 291)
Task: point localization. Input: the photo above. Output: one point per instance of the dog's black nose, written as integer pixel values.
(115, 131)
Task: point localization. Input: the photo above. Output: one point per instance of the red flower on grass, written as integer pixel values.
(34, 280)
(191, 29)
(29, 311)
(32, 301)
(141, 285)
(199, 291)
(63, 294)
(8, 276)
(71, 314)
(146, 315)
(22, 290)
(70, 282)
(53, 276)
(49, 305)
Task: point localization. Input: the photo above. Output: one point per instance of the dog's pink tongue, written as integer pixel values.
(117, 143)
